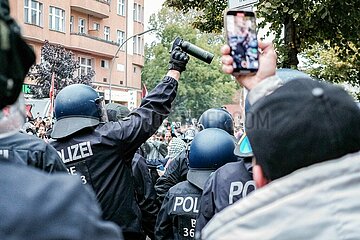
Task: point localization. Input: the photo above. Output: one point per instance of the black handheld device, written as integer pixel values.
(193, 50)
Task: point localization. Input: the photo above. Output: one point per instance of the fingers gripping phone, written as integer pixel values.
(241, 35)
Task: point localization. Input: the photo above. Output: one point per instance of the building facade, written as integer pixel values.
(93, 30)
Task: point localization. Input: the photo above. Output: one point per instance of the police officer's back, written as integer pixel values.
(101, 152)
(210, 149)
(178, 168)
(227, 185)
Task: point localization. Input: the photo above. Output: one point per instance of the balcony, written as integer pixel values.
(91, 44)
(96, 8)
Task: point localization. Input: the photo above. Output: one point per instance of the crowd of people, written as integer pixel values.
(110, 173)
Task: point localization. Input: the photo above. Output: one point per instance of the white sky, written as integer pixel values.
(150, 7)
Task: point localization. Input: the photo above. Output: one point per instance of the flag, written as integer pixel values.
(52, 94)
(144, 91)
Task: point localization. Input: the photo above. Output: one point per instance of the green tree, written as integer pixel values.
(324, 64)
(202, 86)
(55, 58)
(296, 23)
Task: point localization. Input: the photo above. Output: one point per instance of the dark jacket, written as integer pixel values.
(102, 156)
(145, 194)
(35, 205)
(177, 216)
(225, 186)
(29, 150)
(175, 173)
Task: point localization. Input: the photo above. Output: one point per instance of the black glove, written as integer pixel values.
(178, 60)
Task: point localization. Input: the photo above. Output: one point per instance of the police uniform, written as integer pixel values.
(102, 155)
(175, 173)
(35, 205)
(177, 216)
(225, 186)
(145, 194)
(29, 150)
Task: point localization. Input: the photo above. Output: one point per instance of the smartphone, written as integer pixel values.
(241, 33)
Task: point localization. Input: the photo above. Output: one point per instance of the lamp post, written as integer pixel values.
(115, 56)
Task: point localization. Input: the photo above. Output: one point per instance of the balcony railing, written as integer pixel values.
(97, 8)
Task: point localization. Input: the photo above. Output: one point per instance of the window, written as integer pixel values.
(96, 26)
(120, 37)
(72, 24)
(137, 45)
(138, 12)
(104, 63)
(104, 79)
(33, 12)
(82, 25)
(57, 19)
(85, 65)
(121, 7)
(107, 33)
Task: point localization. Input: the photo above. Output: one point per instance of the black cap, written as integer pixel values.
(302, 123)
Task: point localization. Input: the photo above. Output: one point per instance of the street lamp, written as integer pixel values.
(115, 56)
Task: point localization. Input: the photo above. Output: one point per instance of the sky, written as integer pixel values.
(150, 7)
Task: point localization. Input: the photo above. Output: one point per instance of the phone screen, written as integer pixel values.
(242, 39)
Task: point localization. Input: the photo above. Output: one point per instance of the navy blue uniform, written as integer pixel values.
(177, 216)
(145, 194)
(29, 150)
(225, 186)
(35, 205)
(102, 156)
(175, 173)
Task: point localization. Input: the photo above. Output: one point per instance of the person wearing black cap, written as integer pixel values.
(226, 185)
(210, 149)
(35, 205)
(100, 152)
(306, 160)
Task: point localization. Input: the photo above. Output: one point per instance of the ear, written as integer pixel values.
(259, 177)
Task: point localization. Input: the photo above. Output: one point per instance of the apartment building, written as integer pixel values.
(93, 30)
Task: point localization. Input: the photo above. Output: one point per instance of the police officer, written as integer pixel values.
(101, 152)
(178, 168)
(220, 192)
(145, 194)
(35, 205)
(210, 149)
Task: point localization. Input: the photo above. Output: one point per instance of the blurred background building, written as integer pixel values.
(93, 30)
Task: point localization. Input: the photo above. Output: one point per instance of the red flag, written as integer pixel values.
(51, 93)
(144, 91)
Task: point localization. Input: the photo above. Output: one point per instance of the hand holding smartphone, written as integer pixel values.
(241, 35)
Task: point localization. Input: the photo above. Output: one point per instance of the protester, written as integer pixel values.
(210, 149)
(35, 205)
(306, 160)
(101, 152)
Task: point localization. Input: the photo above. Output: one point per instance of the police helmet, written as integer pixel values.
(217, 118)
(77, 106)
(210, 149)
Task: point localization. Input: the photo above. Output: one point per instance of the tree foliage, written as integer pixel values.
(297, 24)
(55, 58)
(324, 64)
(201, 86)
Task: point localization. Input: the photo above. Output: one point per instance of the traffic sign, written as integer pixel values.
(242, 4)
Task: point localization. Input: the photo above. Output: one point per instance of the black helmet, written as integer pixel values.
(217, 118)
(210, 149)
(76, 107)
(16, 57)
